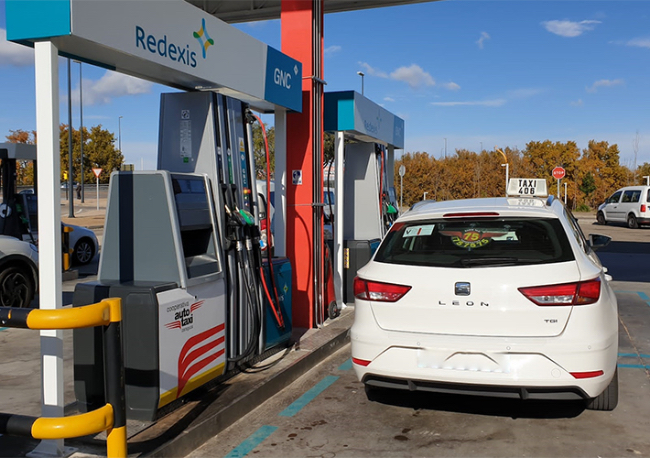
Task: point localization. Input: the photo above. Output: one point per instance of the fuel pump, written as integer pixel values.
(182, 248)
(368, 208)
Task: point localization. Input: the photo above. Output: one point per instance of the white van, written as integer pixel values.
(629, 205)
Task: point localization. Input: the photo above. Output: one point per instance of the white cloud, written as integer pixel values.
(371, 71)
(109, 86)
(569, 28)
(480, 41)
(577, 103)
(414, 76)
(604, 83)
(12, 54)
(331, 50)
(451, 86)
(389, 99)
(474, 103)
(524, 93)
(639, 42)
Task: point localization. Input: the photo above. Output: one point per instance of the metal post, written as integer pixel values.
(114, 372)
(445, 148)
(70, 146)
(401, 188)
(81, 133)
(565, 193)
(558, 188)
(647, 180)
(49, 224)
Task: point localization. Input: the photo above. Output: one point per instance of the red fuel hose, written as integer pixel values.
(275, 305)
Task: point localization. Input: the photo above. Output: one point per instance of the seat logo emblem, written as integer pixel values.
(462, 288)
(203, 38)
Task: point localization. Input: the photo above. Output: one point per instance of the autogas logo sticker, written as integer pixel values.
(203, 38)
(183, 315)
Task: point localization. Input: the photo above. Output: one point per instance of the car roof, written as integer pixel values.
(504, 206)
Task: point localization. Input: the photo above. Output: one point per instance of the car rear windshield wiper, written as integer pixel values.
(491, 261)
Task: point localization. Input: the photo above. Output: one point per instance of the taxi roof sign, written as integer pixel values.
(527, 187)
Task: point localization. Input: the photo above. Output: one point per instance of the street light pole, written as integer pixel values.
(506, 165)
(445, 148)
(81, 131)
(70, 146)
(361, 74)
(119, 133)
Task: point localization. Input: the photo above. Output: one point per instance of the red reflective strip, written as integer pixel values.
(470, 215)
(589, 374)
(360, 362)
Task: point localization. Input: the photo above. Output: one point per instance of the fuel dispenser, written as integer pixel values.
(181, 248)
(369, 208)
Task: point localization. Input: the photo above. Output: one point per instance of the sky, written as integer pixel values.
(463, 74)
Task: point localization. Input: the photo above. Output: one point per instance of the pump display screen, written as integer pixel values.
(196, 227)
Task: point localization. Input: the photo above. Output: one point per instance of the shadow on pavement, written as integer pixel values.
(480, 405)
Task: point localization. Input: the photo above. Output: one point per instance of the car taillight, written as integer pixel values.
(380, 292)
(643, 208)
(579, 293)
(589, 374)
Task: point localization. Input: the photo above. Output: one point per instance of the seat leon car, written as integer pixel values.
(497, 297)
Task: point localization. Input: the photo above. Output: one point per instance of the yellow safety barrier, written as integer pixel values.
(112, 416)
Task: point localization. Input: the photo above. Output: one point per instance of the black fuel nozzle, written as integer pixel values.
(250, 118)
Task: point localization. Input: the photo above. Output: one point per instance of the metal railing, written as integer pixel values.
(112, 416)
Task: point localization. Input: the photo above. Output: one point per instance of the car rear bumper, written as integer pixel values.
(567, 393)
(495, 366)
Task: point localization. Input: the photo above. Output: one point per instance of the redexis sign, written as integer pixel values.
(170, 42)
(176, 52)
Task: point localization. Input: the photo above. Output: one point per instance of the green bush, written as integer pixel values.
(583, 208)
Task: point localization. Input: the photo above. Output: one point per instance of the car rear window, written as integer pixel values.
(476, 243)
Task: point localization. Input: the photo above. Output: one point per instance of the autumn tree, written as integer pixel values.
(259, 150)
(602, 160)
(99, 151)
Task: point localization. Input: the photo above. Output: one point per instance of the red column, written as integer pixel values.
(297, 41)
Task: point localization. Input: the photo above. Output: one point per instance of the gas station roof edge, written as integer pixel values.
(363, 119)
(258, 10)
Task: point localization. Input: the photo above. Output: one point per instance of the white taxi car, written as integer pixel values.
(496, 297)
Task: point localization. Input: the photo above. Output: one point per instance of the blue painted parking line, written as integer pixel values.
(634, 366)
(309, 396)
(632, 355)
(347, 365)
(641, 294)
(252, 441)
